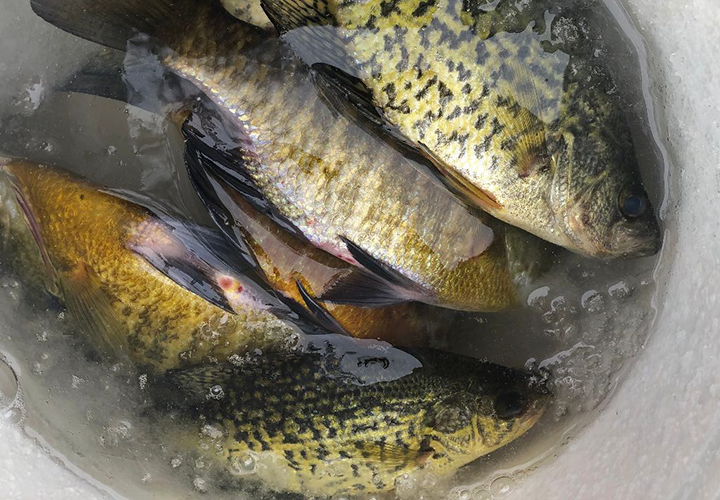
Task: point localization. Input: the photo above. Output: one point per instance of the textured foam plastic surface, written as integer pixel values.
(659, 436)
(27, 472)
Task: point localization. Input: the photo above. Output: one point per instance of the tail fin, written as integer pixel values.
(109, 22)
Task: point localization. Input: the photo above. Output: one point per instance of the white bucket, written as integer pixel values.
(659, 436)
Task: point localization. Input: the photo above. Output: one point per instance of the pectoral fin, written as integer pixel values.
(220, 146)
(89, 305)
(377, 285)
(394, 457)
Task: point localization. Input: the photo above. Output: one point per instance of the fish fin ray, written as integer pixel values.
(322, 315)
(115, 75)
(309, 28)
(92, 309)
(393, 456)
(107, 22)
(219, 146)
(377, 285)
(171, 257)
(349, 97)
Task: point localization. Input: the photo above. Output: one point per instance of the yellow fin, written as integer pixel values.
(91, 308)
(393, 456)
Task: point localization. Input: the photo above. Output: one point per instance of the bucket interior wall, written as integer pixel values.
(659, 435)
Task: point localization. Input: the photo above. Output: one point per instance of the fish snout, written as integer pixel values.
(637, 238)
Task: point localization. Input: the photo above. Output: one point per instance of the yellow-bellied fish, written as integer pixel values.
(136, 284)
(512, 102)
(270, 135)
(337, 421)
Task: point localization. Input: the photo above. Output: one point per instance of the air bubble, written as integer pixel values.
(464, 495)
(502, 487)
(216, 392)
(8, 384)
(481, 494)
(405, 487)
(620, 290)
(244, 465)
(592, 301)
(537, 296)
(13, 416)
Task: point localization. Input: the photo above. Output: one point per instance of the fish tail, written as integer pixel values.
(112, 22)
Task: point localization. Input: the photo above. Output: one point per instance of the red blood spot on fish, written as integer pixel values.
(225, 283)
(239, 289)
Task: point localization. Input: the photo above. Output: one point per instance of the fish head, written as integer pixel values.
(597, 196)
(472, 423)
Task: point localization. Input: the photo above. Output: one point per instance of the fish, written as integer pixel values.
(302, 272)
(330, 421)
(141, 287)
(511, 102)
(265, 130)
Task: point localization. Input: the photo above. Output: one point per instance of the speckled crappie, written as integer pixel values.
(134, 283)
(265, 129)
(332, 421)
(511, 101)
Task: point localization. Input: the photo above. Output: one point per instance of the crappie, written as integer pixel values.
(337, 421)
(270, 135)
(137, 286)
(301, 271)
(511, 101)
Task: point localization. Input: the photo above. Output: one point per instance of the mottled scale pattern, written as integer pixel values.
(330, 178)
(87, 232)
(512, 100)
(326, 430)
(480, 103)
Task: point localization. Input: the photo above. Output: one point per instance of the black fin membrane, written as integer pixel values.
(213, 193)
(321, 315)
(378, 287)
(136, 79)
(219, 146)
(109, 22)
(178, 263)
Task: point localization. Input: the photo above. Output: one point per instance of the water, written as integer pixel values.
(583, 321)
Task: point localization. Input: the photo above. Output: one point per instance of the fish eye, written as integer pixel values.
(509, 404)
(632, 205)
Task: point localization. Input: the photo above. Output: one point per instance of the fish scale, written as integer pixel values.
(330, 433)
(507, 99)
(162, 324)
(326, 181)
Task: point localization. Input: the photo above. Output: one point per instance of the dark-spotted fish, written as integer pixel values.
(333, 421)
(511, 101)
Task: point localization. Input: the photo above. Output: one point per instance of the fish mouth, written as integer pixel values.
(630, 242)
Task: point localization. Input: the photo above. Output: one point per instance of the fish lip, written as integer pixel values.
(4, 162)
